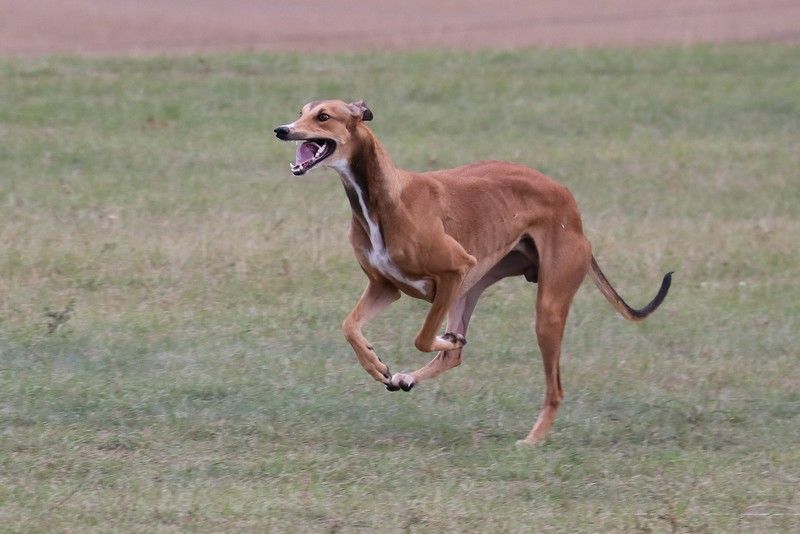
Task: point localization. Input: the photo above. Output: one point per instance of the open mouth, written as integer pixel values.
(309, 153)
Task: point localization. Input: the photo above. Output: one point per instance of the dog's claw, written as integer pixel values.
(401, 381)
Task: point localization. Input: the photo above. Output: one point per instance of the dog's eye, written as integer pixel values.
(322, 117)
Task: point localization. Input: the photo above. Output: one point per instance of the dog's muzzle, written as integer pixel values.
(310, 151)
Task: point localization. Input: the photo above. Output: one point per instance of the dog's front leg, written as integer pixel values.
(447, 288)
(378, 295)
(457, 322)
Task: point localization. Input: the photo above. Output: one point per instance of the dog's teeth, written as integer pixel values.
(319, 151)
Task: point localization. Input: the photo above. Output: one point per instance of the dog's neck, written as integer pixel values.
(370, 179)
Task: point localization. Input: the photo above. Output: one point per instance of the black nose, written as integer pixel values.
(281, 132)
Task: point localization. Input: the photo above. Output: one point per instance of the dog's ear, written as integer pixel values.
(360, 109)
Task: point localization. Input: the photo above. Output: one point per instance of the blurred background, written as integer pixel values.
(29, 27)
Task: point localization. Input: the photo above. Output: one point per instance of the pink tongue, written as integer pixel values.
(305, 152)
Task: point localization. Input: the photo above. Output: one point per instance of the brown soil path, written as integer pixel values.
(37, 27)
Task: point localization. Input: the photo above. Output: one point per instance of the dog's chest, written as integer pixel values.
(380, 260)
(378, 255)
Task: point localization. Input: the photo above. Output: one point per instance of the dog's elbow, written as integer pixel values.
(349, 330)
(423, 345)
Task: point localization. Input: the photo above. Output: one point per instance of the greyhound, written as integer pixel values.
(445, 236)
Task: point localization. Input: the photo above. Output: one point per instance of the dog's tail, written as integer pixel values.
(620, 305)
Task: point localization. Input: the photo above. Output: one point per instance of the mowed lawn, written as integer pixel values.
(171, 298)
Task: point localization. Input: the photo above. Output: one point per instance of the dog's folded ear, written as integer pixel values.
(360, 109)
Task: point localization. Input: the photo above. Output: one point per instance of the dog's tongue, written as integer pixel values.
(305, 152)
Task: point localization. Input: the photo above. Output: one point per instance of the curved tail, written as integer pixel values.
(620, 305)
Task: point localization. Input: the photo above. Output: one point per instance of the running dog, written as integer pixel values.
(445, 236)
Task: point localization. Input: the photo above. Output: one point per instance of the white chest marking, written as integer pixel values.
(377, 256)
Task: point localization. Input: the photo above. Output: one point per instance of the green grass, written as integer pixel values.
(191, 374)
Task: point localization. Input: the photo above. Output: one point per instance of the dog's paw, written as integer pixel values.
(457, 340)
(400, 381)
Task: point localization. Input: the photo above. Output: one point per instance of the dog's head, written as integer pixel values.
(323, 133)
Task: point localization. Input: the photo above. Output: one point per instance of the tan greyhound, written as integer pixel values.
(445, 236)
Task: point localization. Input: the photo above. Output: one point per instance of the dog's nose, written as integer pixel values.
(281, 132)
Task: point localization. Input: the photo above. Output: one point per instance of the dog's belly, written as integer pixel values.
(521, 259)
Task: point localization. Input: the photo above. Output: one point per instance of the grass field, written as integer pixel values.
(171, 299)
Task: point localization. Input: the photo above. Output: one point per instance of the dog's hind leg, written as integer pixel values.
(563, 265)
(377, 296)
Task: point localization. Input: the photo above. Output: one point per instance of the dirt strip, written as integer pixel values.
(113, 27)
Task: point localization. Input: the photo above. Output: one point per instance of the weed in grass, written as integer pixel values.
(56, 319)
